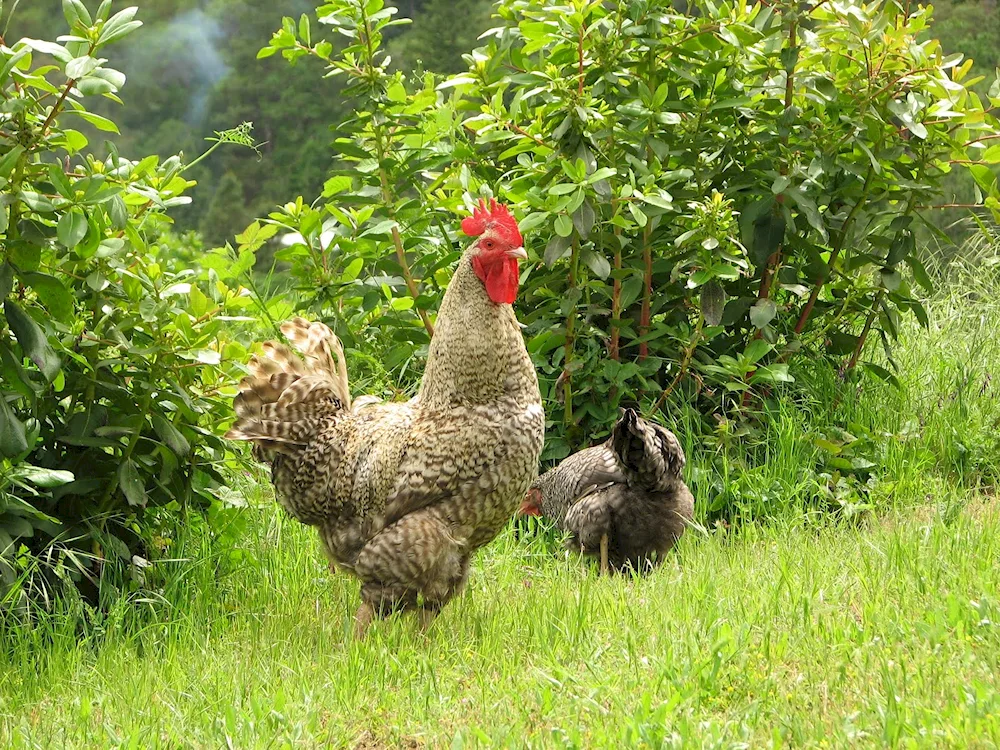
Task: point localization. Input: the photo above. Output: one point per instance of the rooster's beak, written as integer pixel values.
(517, 252)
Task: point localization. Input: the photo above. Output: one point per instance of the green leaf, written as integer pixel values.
(13, 439)
(583, 219)
(768, 234)
(8, 160)
(713, 302)
(32, 340)
(659, 201)
(54, 295)
(72, 228)
(119, 25)
(699, 277)
(808, 207)
(920, 274)
(776, 373)
(353, 269)
(763, 312)
(131, 483)
(75, 141)
(564, 225)
(891, 279)
(456, 81)
(991, 155)
(117, 545)
(74, 11)
(114, 77)
(46, 478)
(25, 256)
(305, 33)
(637, 214)
(57, 51)
(78, 67)
(532, 220)
(92, 86)
(903, 244)
(597, 263)
(6, 280)
(199, 301)
(557, 248)
(256, 235)
(396, 91)
(101, 123)
(984, 177)
(205, 356)
(37, 202)
(755, 350)
(882, 374)
(401, 303)
(336, 185)
(171, 436)
(117, 212)
(564, 188)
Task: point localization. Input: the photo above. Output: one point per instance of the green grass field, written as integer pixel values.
(790, 635)
(804, 629)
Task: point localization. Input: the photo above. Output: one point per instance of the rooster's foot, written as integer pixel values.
(425, 617)
(604, 555)
(362, 620)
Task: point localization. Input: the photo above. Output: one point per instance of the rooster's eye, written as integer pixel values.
(488, 244)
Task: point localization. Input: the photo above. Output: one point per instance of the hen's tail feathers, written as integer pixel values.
(651, 453)
(285, 398)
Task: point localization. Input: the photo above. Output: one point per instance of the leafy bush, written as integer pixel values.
(113, 356)
(713, 195)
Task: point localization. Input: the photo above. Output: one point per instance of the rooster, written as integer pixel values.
(623, 500)
(403, 494)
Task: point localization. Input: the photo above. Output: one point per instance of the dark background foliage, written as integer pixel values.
(193, 69)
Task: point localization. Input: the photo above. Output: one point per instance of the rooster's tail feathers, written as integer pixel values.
(284, 396)
(323, 353)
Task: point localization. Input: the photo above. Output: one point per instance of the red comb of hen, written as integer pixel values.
(495, 216)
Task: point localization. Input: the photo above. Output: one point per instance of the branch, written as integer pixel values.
(410, 283)
(616, 292)
(864, 335)
(685, 363)
(841, 238)
(568, 345)
(55, 107)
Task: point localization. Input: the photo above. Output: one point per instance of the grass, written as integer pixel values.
(793, 634)
(809, 630)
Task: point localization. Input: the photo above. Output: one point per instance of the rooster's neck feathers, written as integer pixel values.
(477, 355)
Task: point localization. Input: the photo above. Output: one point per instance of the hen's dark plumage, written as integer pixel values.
(627, 491)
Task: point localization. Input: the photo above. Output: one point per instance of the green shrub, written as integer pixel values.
(713, 196)
(114, 357)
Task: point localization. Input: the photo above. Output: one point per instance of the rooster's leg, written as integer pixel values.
(362, 619)
(425, 617)
(604, 554)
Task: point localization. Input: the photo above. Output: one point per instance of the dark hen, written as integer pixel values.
(623, 500)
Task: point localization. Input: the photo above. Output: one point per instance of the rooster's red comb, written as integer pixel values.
(496, 216)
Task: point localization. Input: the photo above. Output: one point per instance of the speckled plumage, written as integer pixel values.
(629, 489)
(402, 494)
